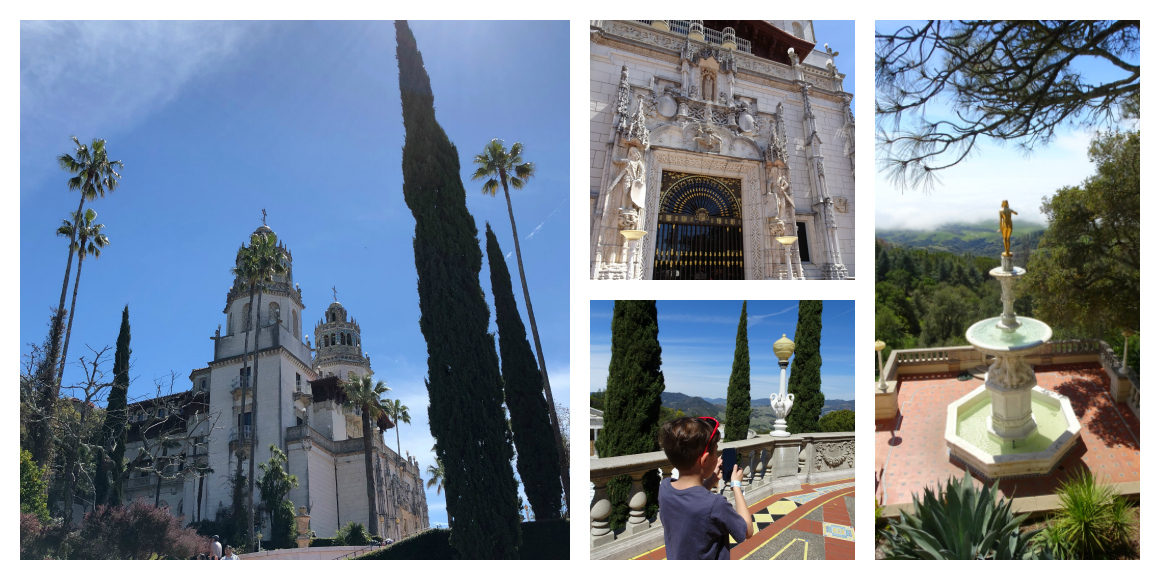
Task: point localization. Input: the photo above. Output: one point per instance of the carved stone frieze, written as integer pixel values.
(829, 456)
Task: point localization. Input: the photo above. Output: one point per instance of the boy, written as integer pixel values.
(698, 522)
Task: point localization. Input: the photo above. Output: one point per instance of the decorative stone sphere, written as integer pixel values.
(783, 348)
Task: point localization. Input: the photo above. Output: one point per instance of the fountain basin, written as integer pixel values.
(987, 336)
(972, 440)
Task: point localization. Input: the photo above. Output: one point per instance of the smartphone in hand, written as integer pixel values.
(728, 460)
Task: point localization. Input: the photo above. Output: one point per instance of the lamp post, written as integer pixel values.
(879, 346)
(781, 402)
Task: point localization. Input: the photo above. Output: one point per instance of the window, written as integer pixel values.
(275, 313)
(803, 242)
(297, 382)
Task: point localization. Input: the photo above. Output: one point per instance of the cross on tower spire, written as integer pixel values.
(335, 290)
(263, 216)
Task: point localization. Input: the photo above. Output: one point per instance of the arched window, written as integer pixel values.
(333, 338)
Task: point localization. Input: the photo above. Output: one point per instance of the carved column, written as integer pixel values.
(599, 513)
(636, 503)
(823, 204)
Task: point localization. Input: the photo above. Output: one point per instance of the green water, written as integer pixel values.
(984, 334)
(1049, 419)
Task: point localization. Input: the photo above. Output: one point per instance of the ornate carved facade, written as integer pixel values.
(301, 409)
(714, 145)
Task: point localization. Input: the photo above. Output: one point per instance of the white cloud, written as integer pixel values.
(972, 190)
(112, 75)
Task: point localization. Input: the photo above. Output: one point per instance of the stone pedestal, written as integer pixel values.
(1009, 381)
(302, 520)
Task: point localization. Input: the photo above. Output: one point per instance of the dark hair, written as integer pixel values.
(685, 439)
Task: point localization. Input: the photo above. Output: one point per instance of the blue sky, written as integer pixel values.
(698, 338)
(217, 120)
(994, 171)
(839, 34)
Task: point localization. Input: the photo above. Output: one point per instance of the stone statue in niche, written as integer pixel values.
(745, 120)
(708, 86)
(629, 184)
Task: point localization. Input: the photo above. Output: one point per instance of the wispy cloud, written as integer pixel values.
(540, 226)
(65, 66)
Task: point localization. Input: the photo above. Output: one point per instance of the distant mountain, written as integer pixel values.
(979, 238)
(761, 414)
(691, 406)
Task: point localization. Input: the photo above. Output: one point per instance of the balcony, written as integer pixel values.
(715, 37)
(771, 465)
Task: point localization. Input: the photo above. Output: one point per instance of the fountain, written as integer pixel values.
(1009, 425)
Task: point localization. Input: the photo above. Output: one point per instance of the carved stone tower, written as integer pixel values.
(338, 345)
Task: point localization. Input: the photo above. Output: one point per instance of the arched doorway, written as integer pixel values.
(699, 228)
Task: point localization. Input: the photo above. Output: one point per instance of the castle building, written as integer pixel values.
(720, 149)
(184, 448)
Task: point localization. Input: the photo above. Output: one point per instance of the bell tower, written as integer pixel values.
(338, 345)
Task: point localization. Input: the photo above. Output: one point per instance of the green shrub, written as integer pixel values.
(542, 540)
(352, 534)
(1092, 522)
(958, 523)
(838, 421)
(33, 488)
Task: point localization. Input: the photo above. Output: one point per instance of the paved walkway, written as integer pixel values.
(814, 523)
(910, 451)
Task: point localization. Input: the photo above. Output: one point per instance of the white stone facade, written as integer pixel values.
(300, 409)
(686, 185)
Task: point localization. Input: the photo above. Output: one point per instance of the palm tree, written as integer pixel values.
(502, 167)
(398, 412)
(365, 394)
(436, 473)
(93, 175)
(88, 238)
(256, 266)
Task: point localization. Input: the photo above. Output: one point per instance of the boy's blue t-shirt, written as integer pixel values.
(697, 523)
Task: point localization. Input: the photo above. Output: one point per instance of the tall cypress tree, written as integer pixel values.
(536, 456)
(632, 400)
(107, 484)
(737, 405)
(805, 378)
(463, 378)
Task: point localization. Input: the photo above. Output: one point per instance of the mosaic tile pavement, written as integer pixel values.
(811, 524)
(910, 451)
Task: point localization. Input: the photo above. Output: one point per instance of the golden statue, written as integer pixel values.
(1005, 227)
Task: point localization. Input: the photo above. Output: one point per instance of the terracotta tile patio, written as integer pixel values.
(910, 452)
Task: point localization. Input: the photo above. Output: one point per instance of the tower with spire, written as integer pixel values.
(301, 409)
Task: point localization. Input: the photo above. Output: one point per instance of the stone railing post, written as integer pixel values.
(636, 503)
(599, 513)
(759, 467)
(806, 458)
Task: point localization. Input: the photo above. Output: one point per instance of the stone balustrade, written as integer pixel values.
(914, 363)
(771, 465)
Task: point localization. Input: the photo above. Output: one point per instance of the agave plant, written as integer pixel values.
(960, 522)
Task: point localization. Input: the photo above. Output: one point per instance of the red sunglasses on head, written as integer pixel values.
(715, 426)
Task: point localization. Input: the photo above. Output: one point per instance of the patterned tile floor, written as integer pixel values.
(813, 523)
(910, 451)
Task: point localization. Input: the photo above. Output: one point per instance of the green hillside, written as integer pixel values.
(979, 238)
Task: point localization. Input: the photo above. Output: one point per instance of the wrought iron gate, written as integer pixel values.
(699, 229)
